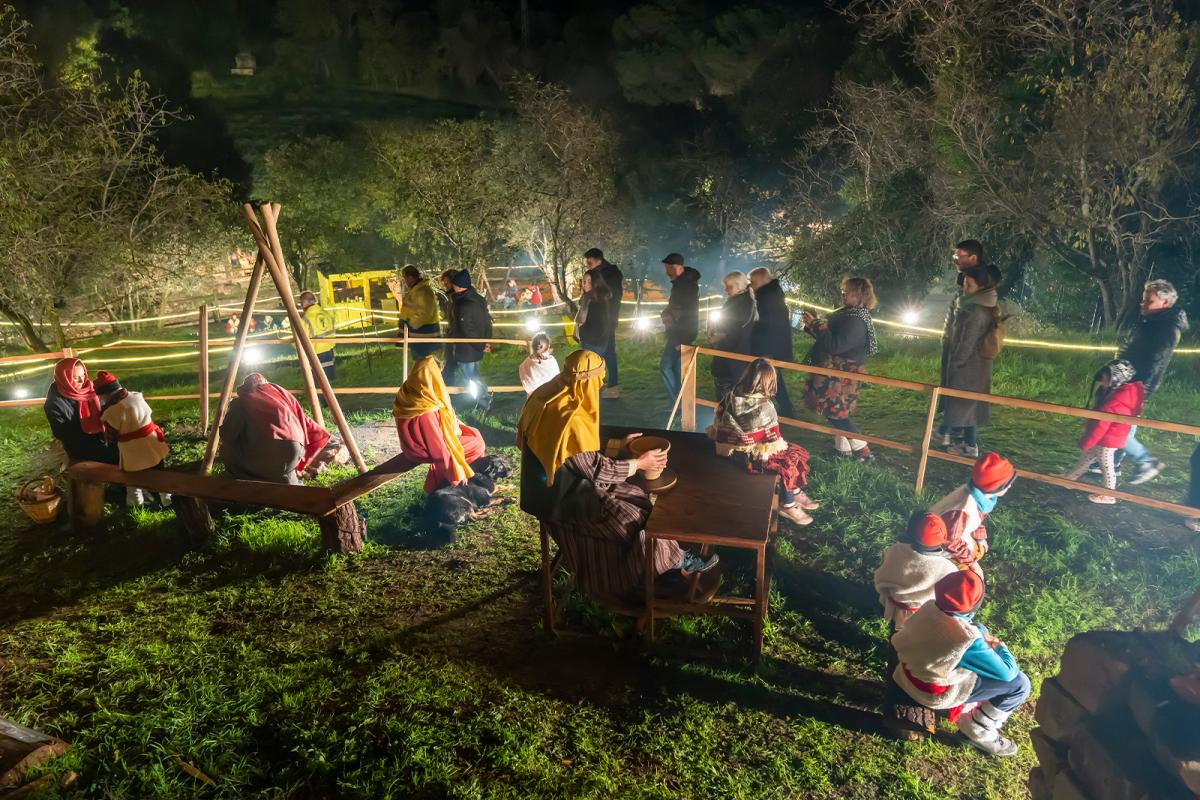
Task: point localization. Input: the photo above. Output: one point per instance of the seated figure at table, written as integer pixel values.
(747, 428)
(72, 408)
(580, 496)
(429, 430)
(266, 436)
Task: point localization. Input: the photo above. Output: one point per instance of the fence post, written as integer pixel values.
(405, 327)
(924, 451)
(687, 416)
(204, 368)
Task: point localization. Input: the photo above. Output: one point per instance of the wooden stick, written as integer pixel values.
(298, 330)
(678, 399)
(308, 367)
(923, 461)
(235, 361)
(203, 385)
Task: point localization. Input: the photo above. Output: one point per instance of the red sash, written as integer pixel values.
(151, 429)
(902, 607)
(929, 688)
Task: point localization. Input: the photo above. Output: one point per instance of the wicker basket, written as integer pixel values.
(39, 499)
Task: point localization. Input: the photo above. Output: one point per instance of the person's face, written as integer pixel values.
(964, 260)
(757, 281)
(591, 263)
(673, 270)
(970, 286)
(730, 289)
(587, 283)
(78, 376)
(410, 281)
(445, 283)
(1151, 302)
(849, 298)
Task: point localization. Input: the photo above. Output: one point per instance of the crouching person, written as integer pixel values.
(140, 442)
(949, 661)
(266, 436)
(910, 569)
(966, 508)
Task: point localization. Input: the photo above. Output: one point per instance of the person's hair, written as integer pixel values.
(984, 278)
(600, 288)
(972, 247)
(447, 275)
(411, 271)
(307, 295)
(595, 252)
(863, 289)
(759, 377)
(760, 272)
(539, 345)
(1163, 289)
(739, 280)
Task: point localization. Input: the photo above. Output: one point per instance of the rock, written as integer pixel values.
(1040, 786)
(1095, 665)
(1051, 755)
(1058, 714)
(1175, 741)
(1067, 788)
(1111, 760)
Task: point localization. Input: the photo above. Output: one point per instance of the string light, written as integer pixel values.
(20, 393)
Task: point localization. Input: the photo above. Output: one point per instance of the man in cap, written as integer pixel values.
(949, 662)
(681, 319)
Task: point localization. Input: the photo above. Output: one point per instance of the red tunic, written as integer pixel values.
(421, 442)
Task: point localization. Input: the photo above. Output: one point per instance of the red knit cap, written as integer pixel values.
(992, 473)
(927, 532)
(959, 592)
(103, 379)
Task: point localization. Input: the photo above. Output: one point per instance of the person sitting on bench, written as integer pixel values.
(73, 410)
(429, 430)
(140, 442)
(948, 661)
(910, 569)
(266, 435)
(580, 496)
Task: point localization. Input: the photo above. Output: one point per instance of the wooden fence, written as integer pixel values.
(688, 401)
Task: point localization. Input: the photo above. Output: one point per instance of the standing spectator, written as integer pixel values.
(444, 294)
(535, 296)
(681, 319)
(592, 324)
(469, 319)
(1119, 394)
(844, 342)
(419, 310)
(72, 408)
(968, 254)
(972, 317)
(320, 326)
(731, 330)
(599, 267)
(512, 293)
(140, 442)
(1149, 348)
(772, 333)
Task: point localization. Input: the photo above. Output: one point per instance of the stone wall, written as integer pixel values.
(1111, 727)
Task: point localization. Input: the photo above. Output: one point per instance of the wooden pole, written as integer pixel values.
(275, 267)
(203, 388)
(308, 366)
(688, 379)
(923, 461)
(235, 361)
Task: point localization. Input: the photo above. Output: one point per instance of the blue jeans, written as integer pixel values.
(668, 365)
(462, 373)
(1004, 695)
(1135, 449)
(598, 350)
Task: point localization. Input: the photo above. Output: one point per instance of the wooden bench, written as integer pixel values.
(341, 529)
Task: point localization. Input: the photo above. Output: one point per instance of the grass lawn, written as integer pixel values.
(419, 669)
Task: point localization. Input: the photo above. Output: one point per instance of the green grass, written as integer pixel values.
(418, 669)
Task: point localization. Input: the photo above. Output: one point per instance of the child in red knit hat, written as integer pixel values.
(965, 509)
(128, 419)
(910, 568)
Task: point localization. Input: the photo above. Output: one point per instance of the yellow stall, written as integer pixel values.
(349, 296)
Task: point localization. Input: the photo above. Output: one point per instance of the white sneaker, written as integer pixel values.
(963, 450)
(133, 496)
(1147, 471)
(981, 728)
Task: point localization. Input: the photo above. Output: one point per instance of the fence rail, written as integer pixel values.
(922, 449)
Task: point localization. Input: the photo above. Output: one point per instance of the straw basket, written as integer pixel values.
(39, 499)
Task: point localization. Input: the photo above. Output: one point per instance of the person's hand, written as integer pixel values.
(981, 545)
(992, 641)
(808, 317)
(652, 461)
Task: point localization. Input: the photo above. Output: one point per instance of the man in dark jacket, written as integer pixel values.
(730, 330)
(681, 319)
(614, 279)
(772, 334)
(469, 319)
(1149, 348)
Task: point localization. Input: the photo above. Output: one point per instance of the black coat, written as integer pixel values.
(1151, 344)
(469, 319)
(681, 317)
(63, 415)
(732, 333)
(772, 334)
(846, 336)
(593, 323)
(614, 279)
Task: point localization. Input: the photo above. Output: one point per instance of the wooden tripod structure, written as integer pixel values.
(270, 257)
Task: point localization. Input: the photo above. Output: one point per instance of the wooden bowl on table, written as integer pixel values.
(644, 444)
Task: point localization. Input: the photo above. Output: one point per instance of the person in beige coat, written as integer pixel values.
(128, 419)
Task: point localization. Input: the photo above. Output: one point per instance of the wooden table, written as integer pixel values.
(716, 503)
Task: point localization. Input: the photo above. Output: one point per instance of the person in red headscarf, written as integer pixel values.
(266, 436)
(73, 411)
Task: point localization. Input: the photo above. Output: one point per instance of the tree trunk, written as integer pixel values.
(1108, 303)
(25, 327)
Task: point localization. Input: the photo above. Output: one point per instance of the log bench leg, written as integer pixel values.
(901, 716)
(192, 518)
(342, 530)
(85, 504)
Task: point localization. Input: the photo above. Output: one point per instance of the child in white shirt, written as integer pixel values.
(540, 366)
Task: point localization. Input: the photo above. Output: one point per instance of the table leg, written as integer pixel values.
(761, 594)
(648, 630)
(547, 584)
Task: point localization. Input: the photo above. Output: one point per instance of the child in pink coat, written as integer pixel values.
(1119, 394)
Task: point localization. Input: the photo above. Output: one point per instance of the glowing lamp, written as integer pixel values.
(910, 317)
(533, 325)
(714, 315)
(473, 389)
(253, 356)
(20, 393)
(642, 324)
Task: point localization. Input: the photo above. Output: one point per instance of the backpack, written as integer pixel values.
(993, 340)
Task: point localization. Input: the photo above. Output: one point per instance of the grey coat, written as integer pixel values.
(968, 323)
